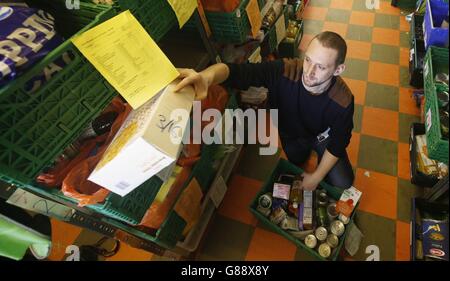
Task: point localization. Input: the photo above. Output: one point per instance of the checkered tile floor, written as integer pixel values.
(377, 73)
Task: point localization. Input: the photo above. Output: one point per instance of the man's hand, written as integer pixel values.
(197, 80)
(292, 69)
(310, 181)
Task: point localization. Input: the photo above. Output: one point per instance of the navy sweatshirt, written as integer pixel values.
(300, 114)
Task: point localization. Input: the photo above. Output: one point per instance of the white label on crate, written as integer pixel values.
(428, 119)
(425, 69)
(238, 13)
(31, 202)
(218, 191)
(411, 54)
(280, 28)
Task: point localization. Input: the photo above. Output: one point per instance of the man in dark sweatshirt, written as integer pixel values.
(315, 106)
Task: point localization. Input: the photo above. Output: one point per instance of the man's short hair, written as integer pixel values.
(332, 40)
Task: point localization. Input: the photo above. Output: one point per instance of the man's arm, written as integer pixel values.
(214, 74)
(311, 181)
(238, 76)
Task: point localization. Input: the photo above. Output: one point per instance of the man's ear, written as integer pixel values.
(339, 70)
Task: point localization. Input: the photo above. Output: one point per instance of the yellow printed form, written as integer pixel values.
(124, 53)
(183, 9)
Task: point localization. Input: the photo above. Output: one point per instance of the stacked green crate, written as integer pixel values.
(436, 61)
(232, 27)
(156, 16)
(36, 127)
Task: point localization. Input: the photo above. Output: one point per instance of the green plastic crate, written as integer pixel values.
(132, 207)
(436, 60)
(36, 128)
(232, 27)
(261, 4)
(156, 16)
(285, 166)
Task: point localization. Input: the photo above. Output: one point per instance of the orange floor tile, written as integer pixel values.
(362, 18)
(266, 245)
(380, 193)
(386, 36)
(240, 194)
(315, 13)
(380, 123)
(358, 49)
(384, 73)
(63, 235)
(402, 241)
(358, 88)
(339, 28)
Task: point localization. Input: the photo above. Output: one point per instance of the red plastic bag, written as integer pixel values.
(220, 5)
(75, 184)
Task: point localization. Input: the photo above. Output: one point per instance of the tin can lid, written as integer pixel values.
(337, 227)
(321, 233)
(332, 240)
(324, 250)
(310, 241)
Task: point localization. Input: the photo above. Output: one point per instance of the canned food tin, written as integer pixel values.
(323, 218)
(265, 201)
(264, 211)
(322, 199)
(337, 227)
(321, 233)
(310, 241)
(331, 212)
(324, 250)
(344, 219)
(332, 240)
(277, 215)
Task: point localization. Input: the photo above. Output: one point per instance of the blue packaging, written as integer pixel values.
(435, 238)
(26, 36)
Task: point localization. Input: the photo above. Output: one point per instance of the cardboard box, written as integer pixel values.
(148, 141)
(348, 201)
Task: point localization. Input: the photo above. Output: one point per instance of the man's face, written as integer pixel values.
(319, 64)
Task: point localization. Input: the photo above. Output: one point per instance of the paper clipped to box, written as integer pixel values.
(148, 141)
(123, 52)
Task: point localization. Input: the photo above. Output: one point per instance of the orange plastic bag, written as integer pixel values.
(158, 211)
(55, 176)
(217, 98)
(75, 184)
(220, 5)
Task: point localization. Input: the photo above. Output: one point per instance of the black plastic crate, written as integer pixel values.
(417, 177)
(416, 63)
(420, 205)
